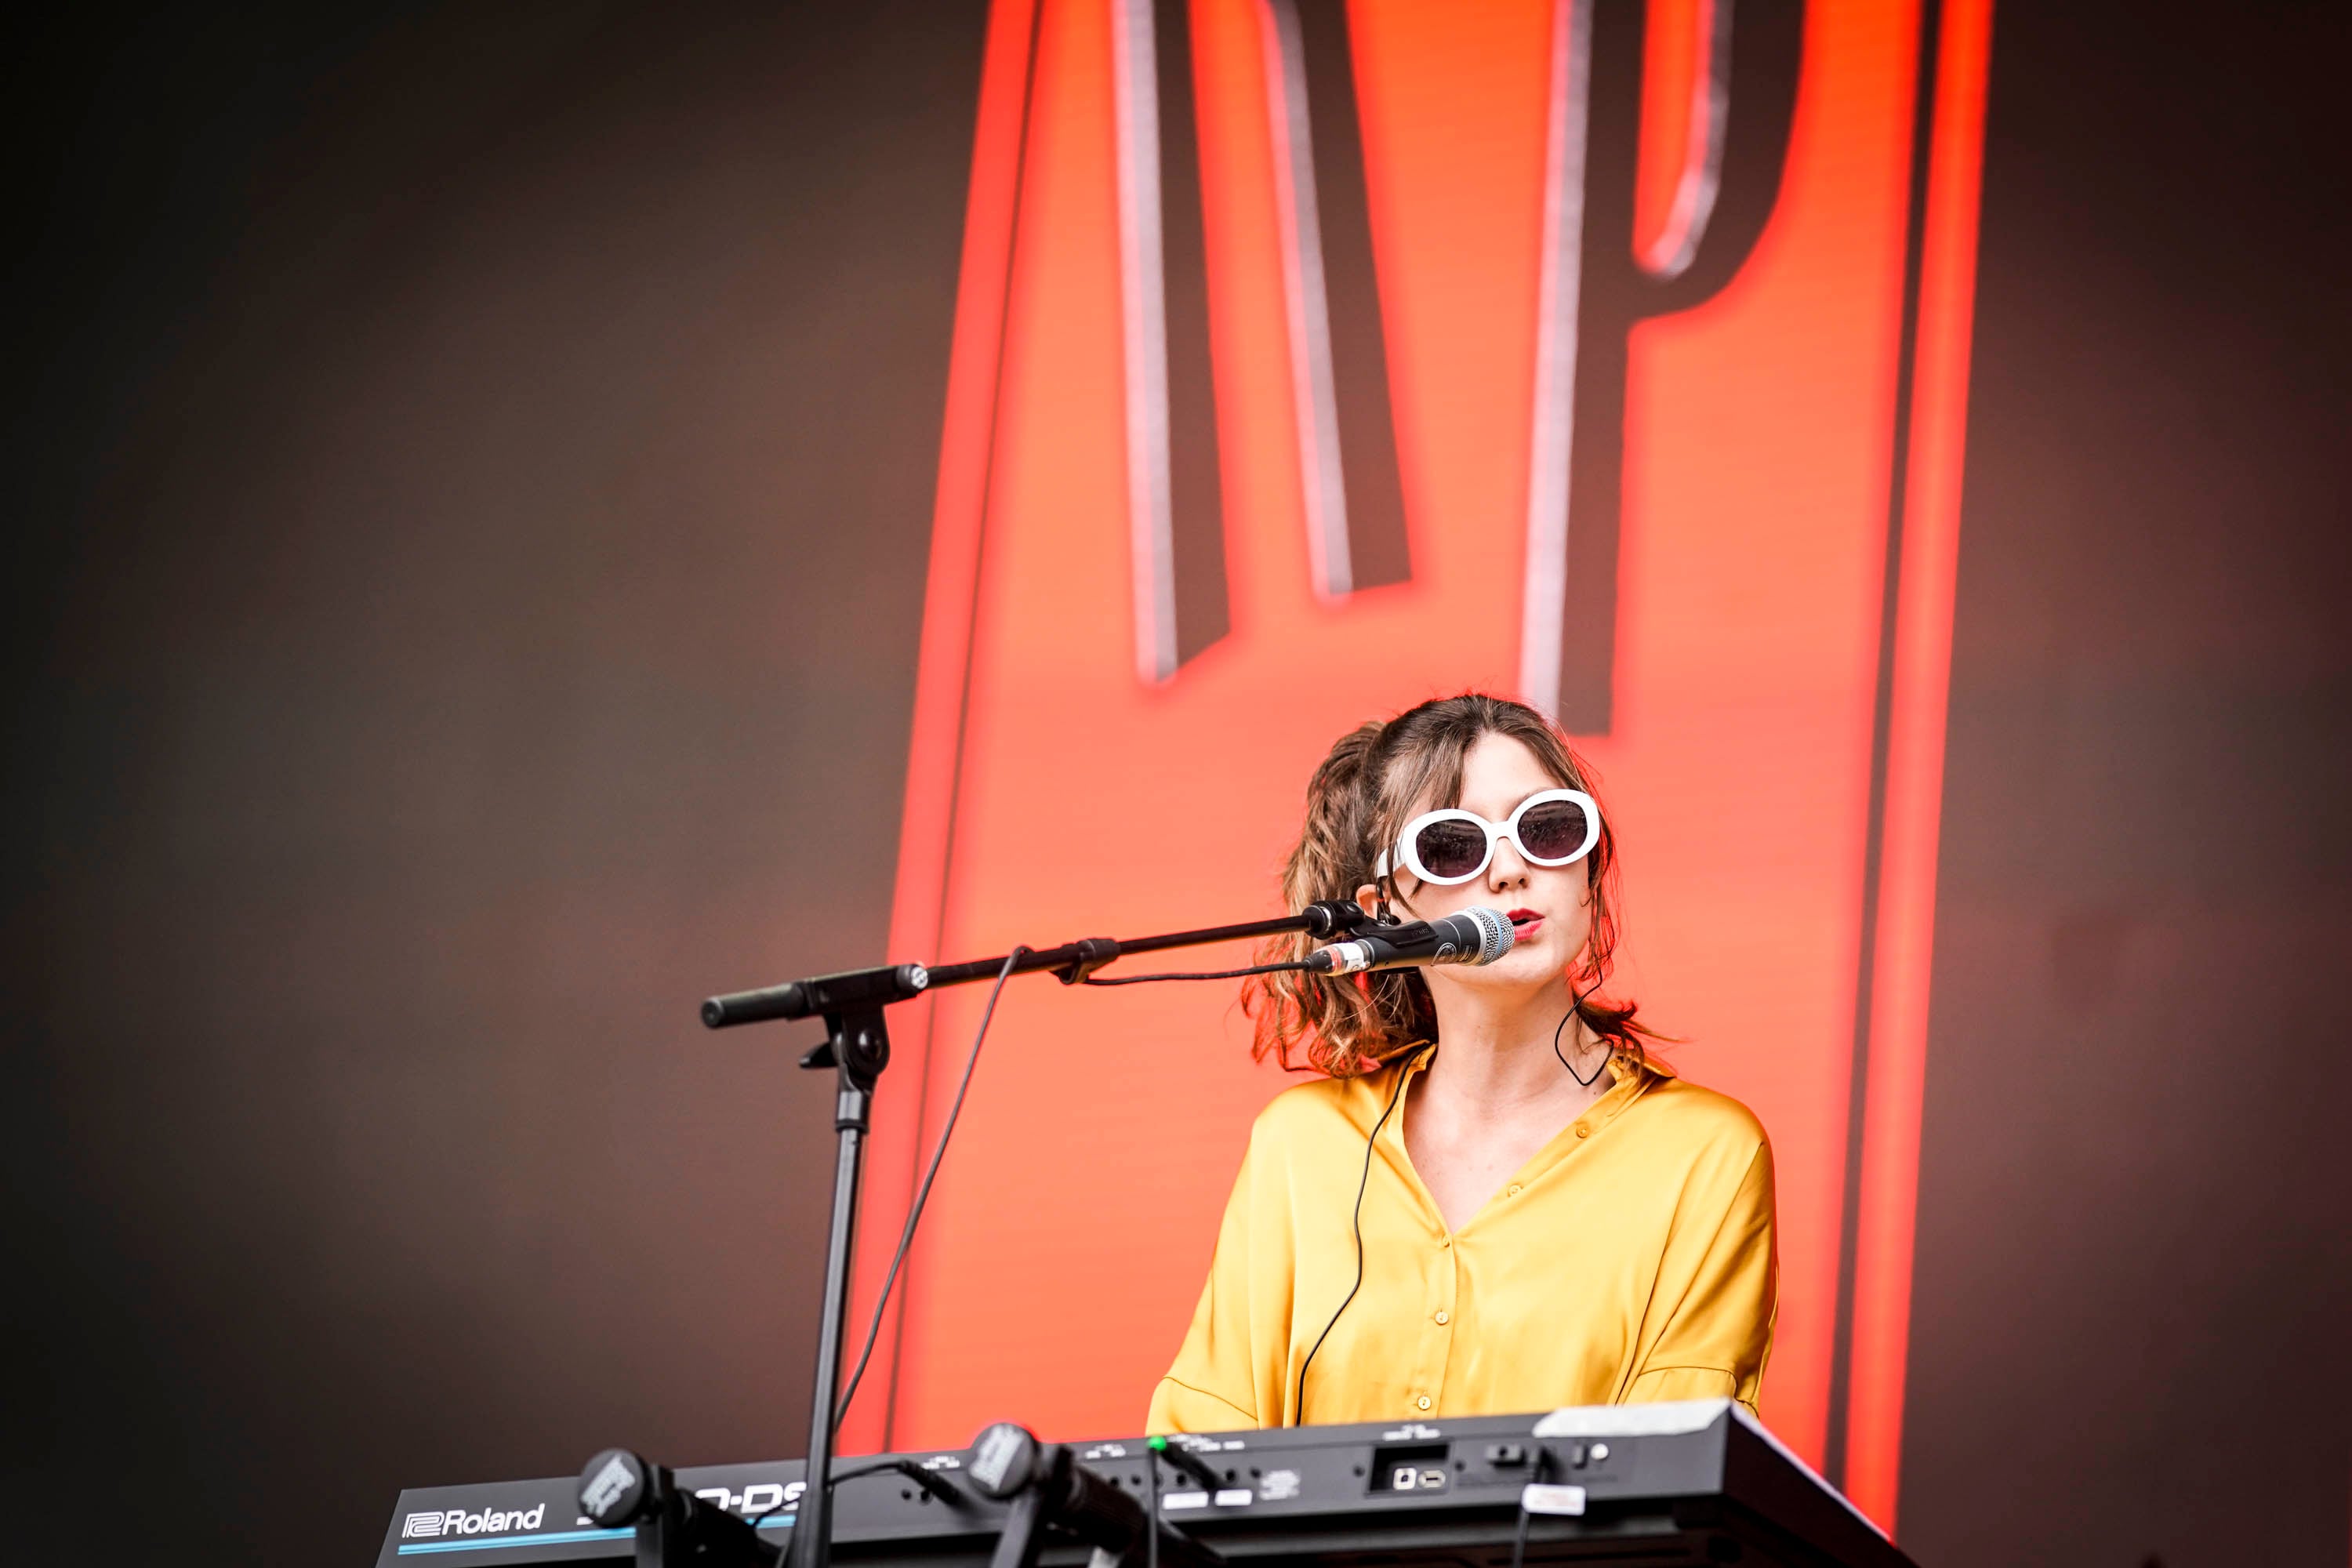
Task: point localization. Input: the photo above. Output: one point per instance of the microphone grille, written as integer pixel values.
(1493, 932)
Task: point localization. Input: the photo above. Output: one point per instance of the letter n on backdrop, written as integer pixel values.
(1315, 359)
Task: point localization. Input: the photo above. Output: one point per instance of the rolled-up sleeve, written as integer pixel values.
(1719, 1289)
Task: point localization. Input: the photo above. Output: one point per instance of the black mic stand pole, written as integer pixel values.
(857, 1047)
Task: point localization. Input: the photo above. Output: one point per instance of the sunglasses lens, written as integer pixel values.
(1450, 849)
(1552, 831)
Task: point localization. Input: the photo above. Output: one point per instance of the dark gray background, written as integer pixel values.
(2134, 1275)
(473, 475)
(471, 472)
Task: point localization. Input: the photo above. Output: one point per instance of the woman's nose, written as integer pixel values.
(1506, 869)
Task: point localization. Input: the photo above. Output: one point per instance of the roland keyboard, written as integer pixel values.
(1697, 1482)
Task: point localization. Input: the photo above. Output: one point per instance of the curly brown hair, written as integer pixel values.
(1357, 803)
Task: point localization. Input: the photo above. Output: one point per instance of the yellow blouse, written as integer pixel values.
(1631, 1259)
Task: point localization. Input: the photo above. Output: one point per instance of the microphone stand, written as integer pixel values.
(857, 1047)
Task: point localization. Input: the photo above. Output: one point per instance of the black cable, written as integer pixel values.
(1575, 1004)
(893, 1464)
(1298, 1402)
(1520, 1536)
(1215, 974)
(932, 1483)
(923, 1192)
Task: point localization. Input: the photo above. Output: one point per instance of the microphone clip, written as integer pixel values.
(1093, 952)
(1330, 918)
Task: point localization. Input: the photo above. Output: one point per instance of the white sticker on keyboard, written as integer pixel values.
(1552, 1500)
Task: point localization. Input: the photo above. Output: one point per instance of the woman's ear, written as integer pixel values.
(1368, 899)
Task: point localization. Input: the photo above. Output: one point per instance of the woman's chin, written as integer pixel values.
(1527, 968)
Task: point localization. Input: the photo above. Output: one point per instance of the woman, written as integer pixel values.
(1494, 1200)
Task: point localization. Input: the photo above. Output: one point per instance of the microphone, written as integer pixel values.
(619, 1491)
(1477, 935)
(1043, 1483)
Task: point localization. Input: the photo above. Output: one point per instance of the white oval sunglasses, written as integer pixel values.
(1550, 827)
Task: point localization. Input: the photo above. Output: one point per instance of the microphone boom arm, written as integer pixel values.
(857, 989)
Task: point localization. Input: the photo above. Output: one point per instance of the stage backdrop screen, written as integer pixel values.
(1311, 360)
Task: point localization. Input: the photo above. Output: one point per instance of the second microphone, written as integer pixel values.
(1475, 935)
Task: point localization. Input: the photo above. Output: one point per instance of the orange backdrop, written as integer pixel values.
(1054, 793)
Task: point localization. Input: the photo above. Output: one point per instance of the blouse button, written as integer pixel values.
(1423, 1401)
(1582, 1130)
(1441, 1318)
(1512, 1191)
